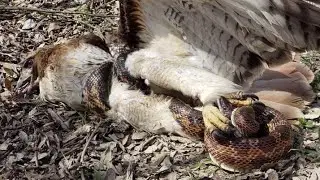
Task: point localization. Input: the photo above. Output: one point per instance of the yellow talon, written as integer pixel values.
(209, 126)
(235, 95)
(214, 119)
(215, 111)
(237, 102)
(241, 99)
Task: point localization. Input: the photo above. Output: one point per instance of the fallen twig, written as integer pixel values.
(118, 142)
(58, 119)
(6, 54)
(80, 21)
(88, 141)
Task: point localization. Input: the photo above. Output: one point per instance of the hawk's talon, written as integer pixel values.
(239, 103)
(215, 120)
(240, 95)
(252, 96)
(241, 99)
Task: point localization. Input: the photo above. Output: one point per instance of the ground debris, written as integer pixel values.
(52, 141)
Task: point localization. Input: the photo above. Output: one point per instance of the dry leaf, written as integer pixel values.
(158, 159)
(83, 130)
(107, 155)
(4, 146)
(8, 84)
(139, 135)
(39, 157)
(52, 27)
(151, 149)
(29, 24)
(312, 113)
(24, 136)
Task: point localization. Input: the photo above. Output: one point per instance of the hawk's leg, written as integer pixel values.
(219, 117)
(174, 73)
(214, 119)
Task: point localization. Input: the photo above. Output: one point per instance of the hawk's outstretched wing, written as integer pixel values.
(234, 38)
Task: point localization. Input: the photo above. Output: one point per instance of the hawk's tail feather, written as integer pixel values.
(293, 68)
(296, 86)
(290, 81)
(289, 70)
(282, 97)
(273, 29)
(290, 112)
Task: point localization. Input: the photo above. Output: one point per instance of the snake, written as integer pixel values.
(261, 134)
(271, 140)
(247, 149)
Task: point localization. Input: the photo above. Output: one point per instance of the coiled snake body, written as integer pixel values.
(268, 145)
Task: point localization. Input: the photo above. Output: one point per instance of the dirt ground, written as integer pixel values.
(52, 141)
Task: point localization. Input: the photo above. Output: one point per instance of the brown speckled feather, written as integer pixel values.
(237, 36)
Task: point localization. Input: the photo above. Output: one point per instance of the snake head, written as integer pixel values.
(244, 119)
(247, 120)
(225, 106)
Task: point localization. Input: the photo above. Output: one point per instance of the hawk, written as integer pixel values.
(201, 49)
(208, 48)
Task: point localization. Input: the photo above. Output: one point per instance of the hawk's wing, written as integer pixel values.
(236, 37)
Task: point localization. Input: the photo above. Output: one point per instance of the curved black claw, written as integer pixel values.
(249, 95)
